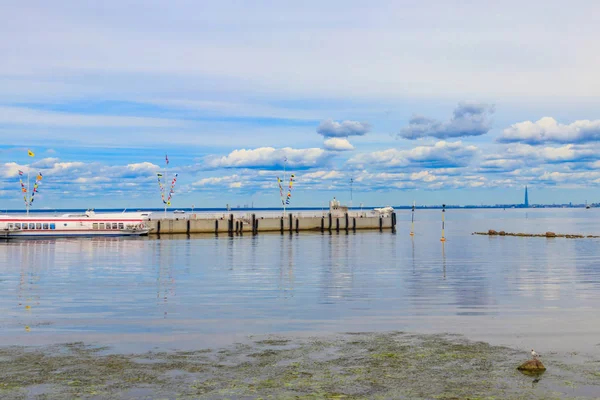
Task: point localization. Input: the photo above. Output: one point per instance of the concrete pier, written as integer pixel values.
(254, 223)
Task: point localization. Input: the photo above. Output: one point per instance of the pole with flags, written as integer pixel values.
(285, 180)
(27, 198)
(166, 165)
(166, 196)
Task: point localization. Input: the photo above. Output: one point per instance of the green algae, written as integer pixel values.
(346, 366)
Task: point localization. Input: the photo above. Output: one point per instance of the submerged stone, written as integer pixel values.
(550, 234)
(492, 232)
(533, 366)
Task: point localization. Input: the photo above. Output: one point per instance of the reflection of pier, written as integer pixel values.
(286, 267)
(165, 274)
(337, 270)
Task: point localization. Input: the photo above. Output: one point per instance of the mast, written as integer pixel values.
(164, 187)
(28, 195)
(284, 180)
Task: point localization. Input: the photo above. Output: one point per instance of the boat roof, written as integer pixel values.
(91, 215)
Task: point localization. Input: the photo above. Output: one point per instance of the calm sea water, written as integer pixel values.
(189, 292)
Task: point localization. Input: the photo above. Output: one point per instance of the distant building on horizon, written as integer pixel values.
(526, 202)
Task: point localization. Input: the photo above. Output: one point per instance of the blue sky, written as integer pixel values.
(431, 101)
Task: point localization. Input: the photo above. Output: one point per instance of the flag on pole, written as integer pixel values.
(166, 159)
(20, 172)
(30, 153)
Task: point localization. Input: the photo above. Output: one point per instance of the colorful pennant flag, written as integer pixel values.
(30, 153)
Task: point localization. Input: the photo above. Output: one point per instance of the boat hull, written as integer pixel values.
(71, 233)
(88, 224)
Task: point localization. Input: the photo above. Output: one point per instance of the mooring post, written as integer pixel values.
(380, 223)
(281, 224)
(241, 227)
(393, 222)
(443, 239)
(188, 227)
(253, 224)
(216, 226)
(158, 227)
(329, 222)
(256, 227)
(291, 226)
(412, 221)
(230, 227)
(346, 225)
(337, 224)
(323, 223)
(353, 224)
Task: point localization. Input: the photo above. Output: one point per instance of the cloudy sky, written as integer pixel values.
(462, 102)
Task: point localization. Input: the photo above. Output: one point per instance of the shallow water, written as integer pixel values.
(183, 292)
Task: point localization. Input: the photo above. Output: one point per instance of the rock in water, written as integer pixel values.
(492, 232)
(533, 366)
(550, 234)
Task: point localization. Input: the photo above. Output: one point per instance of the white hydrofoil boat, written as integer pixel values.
(75, 225)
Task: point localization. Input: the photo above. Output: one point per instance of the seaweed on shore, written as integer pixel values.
(345, 366)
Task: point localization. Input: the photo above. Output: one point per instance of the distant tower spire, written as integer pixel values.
(526, 203)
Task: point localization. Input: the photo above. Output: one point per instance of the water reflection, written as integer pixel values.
(273, 282)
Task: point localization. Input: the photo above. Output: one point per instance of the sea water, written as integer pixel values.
(178, 292)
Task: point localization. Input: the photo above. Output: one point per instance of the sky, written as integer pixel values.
(456, 102)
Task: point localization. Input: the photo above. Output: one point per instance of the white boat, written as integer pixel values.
(384, 210)
(75, 225)
(178, 212)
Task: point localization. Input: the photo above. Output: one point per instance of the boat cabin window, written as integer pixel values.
(115, 226)
(95, 225)
(108, 225)
(24, 226)
(18, 225)
(45, 225)
(101, 225)
(38, 225)
(32, 226)
(52, 226)
(121, 225)
(10, 226)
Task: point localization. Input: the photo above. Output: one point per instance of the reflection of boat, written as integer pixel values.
(69, 225)
(178, 212)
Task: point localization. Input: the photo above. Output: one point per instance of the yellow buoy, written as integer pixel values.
(28, 307)
(27, 329)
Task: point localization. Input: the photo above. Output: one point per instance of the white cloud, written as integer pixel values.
(321, 175)
(269, 157)
(468, 119)
(331, 128)
(143, 167)
(441, 155)
(337, 144)
(213, 181)
(548, 130)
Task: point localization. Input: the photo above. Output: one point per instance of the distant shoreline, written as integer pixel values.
(237, 209)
